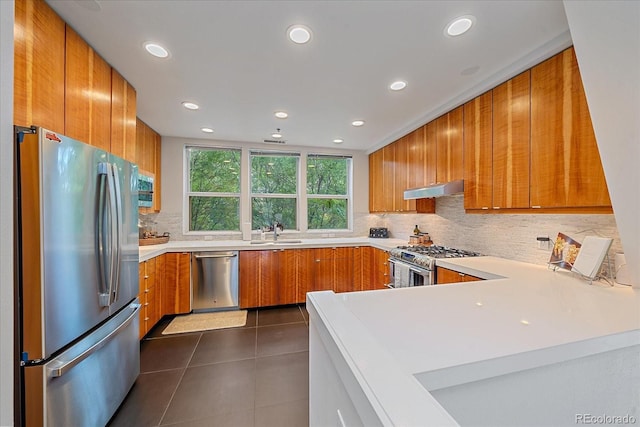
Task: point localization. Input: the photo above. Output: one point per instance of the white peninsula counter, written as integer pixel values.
(529, 346)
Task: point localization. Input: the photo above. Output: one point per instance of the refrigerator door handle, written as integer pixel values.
(64, 367)
(117, 247)
(102, 238)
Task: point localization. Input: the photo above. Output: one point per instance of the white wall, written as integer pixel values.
(606, 36)
(171, 216)
(6, 212)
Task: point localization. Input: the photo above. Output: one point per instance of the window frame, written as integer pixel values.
(245, 194)
(348, 196)
(188, 194)
(297, 195)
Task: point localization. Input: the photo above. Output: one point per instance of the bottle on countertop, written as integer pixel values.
(416, 231)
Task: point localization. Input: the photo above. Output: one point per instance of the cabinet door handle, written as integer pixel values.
(317, 260)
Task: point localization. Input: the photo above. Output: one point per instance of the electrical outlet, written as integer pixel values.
(544, 242)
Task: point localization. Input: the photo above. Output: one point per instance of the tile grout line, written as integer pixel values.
(255, 369)
(164, 413)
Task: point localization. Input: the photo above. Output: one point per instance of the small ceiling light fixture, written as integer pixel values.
(299, 34)
(357, 123)
(459, 25)
(338, 141)
(277, 134)
(156, 50)
(281, 114)
(398, 85)
(207, 130)
(190, 105)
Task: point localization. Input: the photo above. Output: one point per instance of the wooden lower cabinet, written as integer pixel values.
(268, 278)
(151, 273)
(444, 276)
(284, 276)
(379, 270)
(164, 288)
(176, 289)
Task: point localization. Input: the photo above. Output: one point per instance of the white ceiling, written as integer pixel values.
(233, 59)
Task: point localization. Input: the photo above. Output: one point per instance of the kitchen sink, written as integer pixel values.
(277, 242)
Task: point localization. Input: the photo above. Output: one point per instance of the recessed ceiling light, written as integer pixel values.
(207, 130)
(276, 134)
(156, 50)
(459, 25)
(338, 141)
(299, 34)
(357, 123)
(398, 85)
(190, 105)
(281, 114)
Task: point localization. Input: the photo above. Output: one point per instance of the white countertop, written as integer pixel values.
(151, 251)
(526, 316)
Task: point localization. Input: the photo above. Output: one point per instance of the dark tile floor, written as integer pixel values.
(257, 375)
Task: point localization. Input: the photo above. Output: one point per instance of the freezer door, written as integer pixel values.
(69, 190)
(126, 286)
(86, 384)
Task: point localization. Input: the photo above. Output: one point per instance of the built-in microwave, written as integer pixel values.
(145, 190)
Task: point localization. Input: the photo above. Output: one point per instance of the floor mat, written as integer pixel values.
(206, 322)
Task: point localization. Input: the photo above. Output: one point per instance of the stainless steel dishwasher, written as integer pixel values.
(214, 281)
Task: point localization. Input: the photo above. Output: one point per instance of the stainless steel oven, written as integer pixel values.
(408, 275)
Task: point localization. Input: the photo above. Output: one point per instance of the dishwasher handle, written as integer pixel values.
(216, 256)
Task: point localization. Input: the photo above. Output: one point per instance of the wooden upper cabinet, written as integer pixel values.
(430, 152)
(87, 99)
(511, 107)
(401, 175)
(39, 55)
(449, 128)
(123, 117)
(388, 178)
(566, 170)
(375, 181)
(478, 153)
(148, 151)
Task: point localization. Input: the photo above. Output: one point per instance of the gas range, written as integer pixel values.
(425, 256)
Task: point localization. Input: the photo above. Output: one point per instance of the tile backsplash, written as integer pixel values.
(504, 235)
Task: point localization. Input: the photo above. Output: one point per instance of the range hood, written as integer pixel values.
(435, 190)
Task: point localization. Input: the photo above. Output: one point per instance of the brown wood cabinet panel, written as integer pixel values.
(380, 270)
(288, 280)
(445, 276)
(449, 129)
(401, 174)
(148, 158)
(87, 99)
(566, 170)
(123, 118)
(360, 270)
(268, 283)
(343, 274)
(416, 159)
(249, 278)
(511, 150)
(176, 293)
(375, 181)
(305, 264)
(39, 58)
(431, 152)
(478, 141)
(388, 178)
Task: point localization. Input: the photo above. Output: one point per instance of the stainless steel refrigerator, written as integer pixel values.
(77, 255)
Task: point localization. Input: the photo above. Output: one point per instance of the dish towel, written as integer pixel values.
(401, 276)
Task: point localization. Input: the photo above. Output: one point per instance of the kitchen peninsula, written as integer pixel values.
(535, 347)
